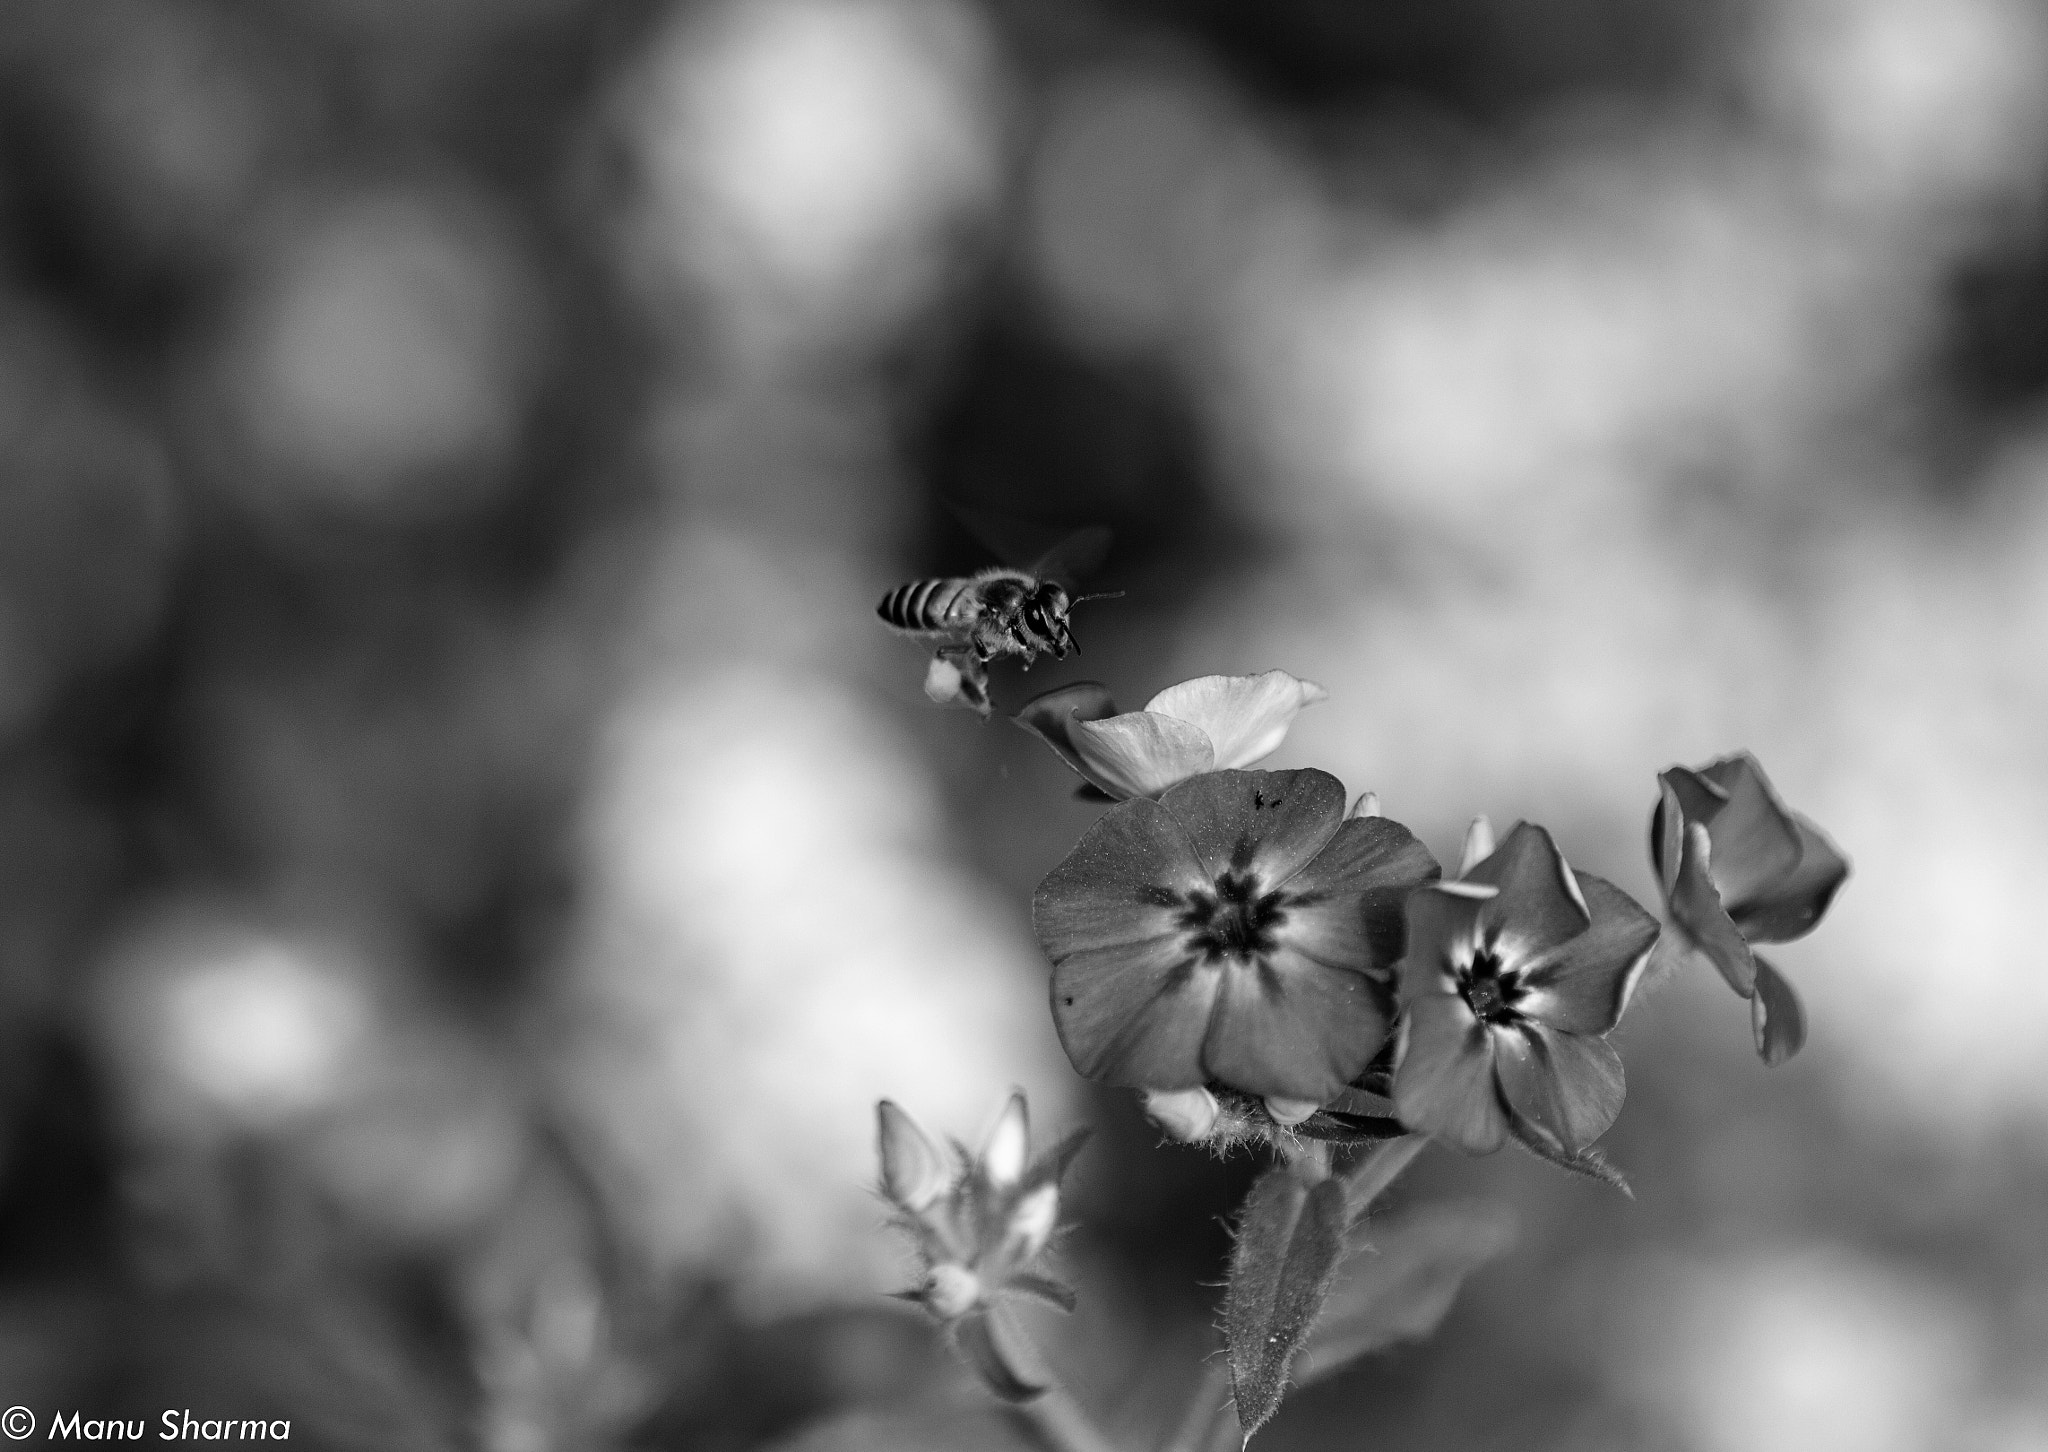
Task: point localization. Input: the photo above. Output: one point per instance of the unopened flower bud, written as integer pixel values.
(1187, 1115)
(1289, 1112)
(915, 1172)
(1367, 805)
(950, 1291)
(1031, 1222)
(1008, 1146)
(1478, 845)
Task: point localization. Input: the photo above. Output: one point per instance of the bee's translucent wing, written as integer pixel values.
(1074, 558)
(1048, 551)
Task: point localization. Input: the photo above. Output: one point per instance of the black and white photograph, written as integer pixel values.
(1024, 725)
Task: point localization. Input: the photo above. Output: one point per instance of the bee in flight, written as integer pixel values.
(996, 612)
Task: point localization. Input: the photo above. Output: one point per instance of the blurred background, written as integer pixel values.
(470, 859)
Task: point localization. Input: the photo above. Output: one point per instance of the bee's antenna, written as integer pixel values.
(1099, 595)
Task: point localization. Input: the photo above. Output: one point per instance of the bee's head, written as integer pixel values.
(1045, 615)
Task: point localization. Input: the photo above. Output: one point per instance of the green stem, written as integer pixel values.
(1209, 1407)
(1057, 1424)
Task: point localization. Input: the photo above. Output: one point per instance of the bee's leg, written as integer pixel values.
(957, 678)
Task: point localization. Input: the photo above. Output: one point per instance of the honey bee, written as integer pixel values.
(996, 612)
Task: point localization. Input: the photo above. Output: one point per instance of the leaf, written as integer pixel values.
(1402, 1287)
(1363, 1102)
(1338, 1128)
(1290, 1237)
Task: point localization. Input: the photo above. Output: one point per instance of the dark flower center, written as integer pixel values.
(1491, 992)
(1234, 919)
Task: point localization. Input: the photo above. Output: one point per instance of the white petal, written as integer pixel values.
(1478, 845)
(915, 1171)
(1245, 717)
(1032, 1221)
(1008, 1145)
(1141, 754)
(1289, 1112)
(1187, 1115)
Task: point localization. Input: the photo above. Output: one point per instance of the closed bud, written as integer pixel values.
(1031, 1222)
(1289, 1112)
(1187, 1115)
(1478, 845)
(1368, 805)
(950, 1291)
(1008, 1146)
(915, 1172)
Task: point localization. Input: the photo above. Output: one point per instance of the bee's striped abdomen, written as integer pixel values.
(922, 604)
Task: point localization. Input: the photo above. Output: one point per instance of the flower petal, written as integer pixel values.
(1136, 1014)
(1050, 717)
(1442, 925)
(1569, 1086)
(1129, 1001)
(1777, 1016)
(1187, 1115)
(1539, 906)
(1140, 754)
(1008, 1146)
(1583, 985)
(1278, 820)
(1478, 845)
(1699, 800)
(1126, 881)
(1792, 906)
(1755, 842)
(915, 1171)
(1245, 717)
(1345, 908)
(1697, 913)
(1445, 1083)
(1667, 837)
(1291, 1027)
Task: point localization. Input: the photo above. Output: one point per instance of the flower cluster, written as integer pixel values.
(1268, 968)
(980, 1224)
(1237, 946)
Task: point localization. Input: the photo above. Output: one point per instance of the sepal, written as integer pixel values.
(1589, 1163)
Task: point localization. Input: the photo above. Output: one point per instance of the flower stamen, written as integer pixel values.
(1235, 919)
(1490, 991)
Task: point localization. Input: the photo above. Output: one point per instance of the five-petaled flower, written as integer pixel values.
(1513, 975)
(1238, 931)
(1212, 723)
(980, 1224)
(1737, 867)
